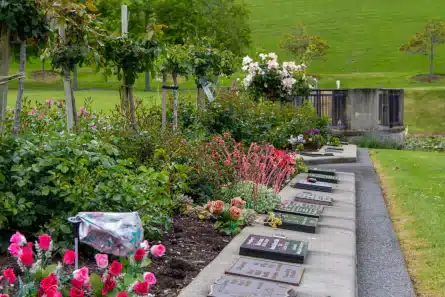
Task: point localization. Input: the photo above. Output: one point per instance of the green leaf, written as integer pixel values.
(49, 269)
(64, 169)
(65, 229)
(45, 191)
(96, 284)
(21, 183)
(146, 262)
(2, 178)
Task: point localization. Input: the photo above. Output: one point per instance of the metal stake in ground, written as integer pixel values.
(76, 224)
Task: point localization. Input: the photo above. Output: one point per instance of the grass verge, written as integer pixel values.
(414, 189)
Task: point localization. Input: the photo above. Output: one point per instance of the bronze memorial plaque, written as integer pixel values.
(268, 270)
(237, 286)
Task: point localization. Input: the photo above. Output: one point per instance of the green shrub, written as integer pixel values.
(258, 197)
(48, 177)
(428, 143)
(372, 141)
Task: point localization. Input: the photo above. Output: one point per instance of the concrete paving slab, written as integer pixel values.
(349, 155)
(331, 261)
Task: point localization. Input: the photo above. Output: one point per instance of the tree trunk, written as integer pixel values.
(200, 98)
(4, 71)
(18, 104)
(69, 98)
(175, 101)
(43, 66)
(132, 107)
(74, 107)
(431, 59)
(147, 82)
(75, 79)
(164, 101)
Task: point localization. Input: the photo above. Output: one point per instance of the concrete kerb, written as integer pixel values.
(330, 268)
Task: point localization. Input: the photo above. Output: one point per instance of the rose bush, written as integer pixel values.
(121, 279)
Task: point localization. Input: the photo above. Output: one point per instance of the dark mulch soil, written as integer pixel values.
(426, 77)
(191, 246)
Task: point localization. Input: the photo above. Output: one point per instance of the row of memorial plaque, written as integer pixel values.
(255, 273)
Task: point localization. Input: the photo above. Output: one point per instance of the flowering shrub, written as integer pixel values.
(229, 217)
(261, 164)
(124, 278)
(271, 80)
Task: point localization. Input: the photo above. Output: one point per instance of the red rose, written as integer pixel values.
(115, 268)
(52, 292)
(77, 283)
(26, 257)
(29, 244)
(141, 288)
(74, 292)
(44, 242)
(9, 275)
(139, 255)
(109, 285)
(122, 294)
(49, 282)
(69, 257)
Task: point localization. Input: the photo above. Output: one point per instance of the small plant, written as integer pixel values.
(273, 221)
(124, 278)
(228, 217)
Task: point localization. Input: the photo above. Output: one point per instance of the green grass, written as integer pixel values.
(424, 111)
(414, 185)
(365, 35)
(102, 100)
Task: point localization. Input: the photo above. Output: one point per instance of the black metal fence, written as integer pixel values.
(330, 104)
(391, 108)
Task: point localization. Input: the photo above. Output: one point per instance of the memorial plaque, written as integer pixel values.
(268, 270)
(297, 223)
(344, 143)
(323, 171)
(309, 197)
(316, 154)
(274, 248)
(236, 286)
(313, 186)
(334, 149)
(324, 178)
(303, 209)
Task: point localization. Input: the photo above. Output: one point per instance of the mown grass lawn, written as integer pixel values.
(414, 185)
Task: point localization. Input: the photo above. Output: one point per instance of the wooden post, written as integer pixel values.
(175, 101)
(4, 71)
(164, 101)
(69, 96)
(75, 79)
(18, 104)
(124, 16)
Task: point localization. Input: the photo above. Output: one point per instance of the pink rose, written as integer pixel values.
(101, 260)
(150, 278)
(15, 249)
(59, 102)
(145, 245)
(217, 207)
(4, 295)
(32, 112)
(158, 250)
(18, 238)
(81, 275)
(235, 212)
(238, 202)
(48, 102)
(44, 242)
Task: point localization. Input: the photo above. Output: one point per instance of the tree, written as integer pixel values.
(425, 42)
(19, 21)
(225, 21)
(304, 46)
(209, 62)
(129, 57)
(75, 40)
(175, 61)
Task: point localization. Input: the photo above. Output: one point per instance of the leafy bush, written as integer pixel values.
(371, 141)
(431, 143)
(49, 177)
(258, 197)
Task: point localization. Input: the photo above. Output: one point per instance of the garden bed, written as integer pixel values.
(191, 246)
